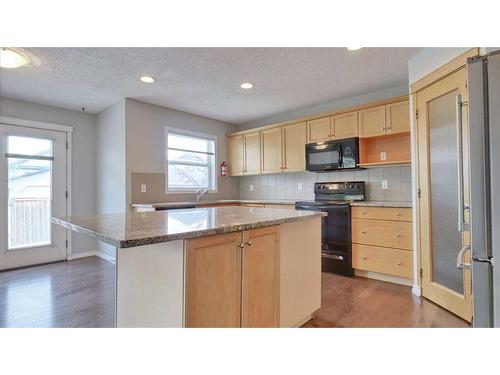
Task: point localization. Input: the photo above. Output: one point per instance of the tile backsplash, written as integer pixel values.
(298, 186)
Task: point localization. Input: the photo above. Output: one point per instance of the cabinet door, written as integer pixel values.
(252, 153)
(294, 147)
(372, 122)
(272, 154)
(318, 130)
(260, 278)
(213, 281)
(345, 125)
(398, 117)
(236, 147)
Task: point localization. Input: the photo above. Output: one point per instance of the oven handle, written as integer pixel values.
(332, 256)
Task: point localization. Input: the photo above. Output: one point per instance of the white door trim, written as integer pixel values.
(69, 135)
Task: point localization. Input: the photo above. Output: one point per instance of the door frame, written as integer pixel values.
(433, 77)
(6, 120)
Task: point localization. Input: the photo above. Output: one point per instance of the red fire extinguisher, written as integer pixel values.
(223, 169)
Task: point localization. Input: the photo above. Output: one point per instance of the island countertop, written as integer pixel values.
(145, 228)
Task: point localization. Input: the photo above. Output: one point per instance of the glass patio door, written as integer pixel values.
(444, 233)
(32, 189)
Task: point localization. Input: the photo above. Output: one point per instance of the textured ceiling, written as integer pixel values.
(205, 81)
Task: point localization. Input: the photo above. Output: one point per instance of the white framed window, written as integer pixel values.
(190, 161)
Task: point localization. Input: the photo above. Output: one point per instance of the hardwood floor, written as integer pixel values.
(361, 302)
(80, 293)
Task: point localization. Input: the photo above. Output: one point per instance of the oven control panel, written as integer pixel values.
(350, 190)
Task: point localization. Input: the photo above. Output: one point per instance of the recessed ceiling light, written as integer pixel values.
(353, 48)
(246, 85)
(10, 58)
(147, 79)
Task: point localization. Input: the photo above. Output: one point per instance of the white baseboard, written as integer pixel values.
(416, 290)
(92, 253)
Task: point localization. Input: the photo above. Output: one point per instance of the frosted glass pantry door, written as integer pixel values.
(442, 131)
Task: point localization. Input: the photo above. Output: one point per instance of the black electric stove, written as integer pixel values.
(334, 198)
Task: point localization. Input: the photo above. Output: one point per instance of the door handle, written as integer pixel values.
(460, 259)
(460, 172)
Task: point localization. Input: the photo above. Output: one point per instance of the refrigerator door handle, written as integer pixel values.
(460, 259)
(460, 157)
(483, 260)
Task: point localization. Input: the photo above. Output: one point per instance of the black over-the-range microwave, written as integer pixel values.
(332, 155)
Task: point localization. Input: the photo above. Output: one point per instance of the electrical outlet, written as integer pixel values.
(300, 186)
(383, 155)
(144, 188)
(251, 187)
(385, 185)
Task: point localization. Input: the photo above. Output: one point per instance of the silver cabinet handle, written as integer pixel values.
(249, 243)
(460, 156)
(460, 259)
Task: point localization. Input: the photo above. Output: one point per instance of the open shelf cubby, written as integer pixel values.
(397, 150)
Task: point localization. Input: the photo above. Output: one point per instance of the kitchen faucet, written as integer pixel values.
(200, 193)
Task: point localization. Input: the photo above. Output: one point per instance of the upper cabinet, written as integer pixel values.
(319, 130)
(294, 141)
(392, 118)
(398, 117)
(244, 154)
(252, 153)
(372, 122)
(383, 128)
(272, 150)
(345, 125)
(236, 151)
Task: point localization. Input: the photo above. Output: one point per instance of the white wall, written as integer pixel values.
(83, 199)
(331, 106)
(145, 143)
(430, 59)
(111, 164)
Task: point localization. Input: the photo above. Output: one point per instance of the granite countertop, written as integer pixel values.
(209, 203)
(382, 204)
(145, 228)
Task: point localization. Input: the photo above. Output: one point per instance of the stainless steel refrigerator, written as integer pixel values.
(484, 163)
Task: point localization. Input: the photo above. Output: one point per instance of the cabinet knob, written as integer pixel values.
(364, 258)
(398, 214)
(400, 263)
(398, 235)
(363, 232)
(363, 213)
(249, 243)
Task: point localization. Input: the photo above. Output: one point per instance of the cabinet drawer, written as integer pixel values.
(383, 260)
(382, 213)
(382, 233)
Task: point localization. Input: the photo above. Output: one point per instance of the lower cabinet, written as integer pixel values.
(232, 280)
(382, 240)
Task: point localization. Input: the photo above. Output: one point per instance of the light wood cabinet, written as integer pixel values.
(384, 260)
(319, 130)
(232, 280)
(252, 153)
(398, 117)
(382, 233)
(382, 213)
(345, 125)
(260, 278)
(213, 281)
(372, 122)
(382, 240)
(236, 158)
(244, 154)
(272, 150)
(294, 137)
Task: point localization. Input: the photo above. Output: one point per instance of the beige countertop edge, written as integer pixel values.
(149, 240)
(207, 203)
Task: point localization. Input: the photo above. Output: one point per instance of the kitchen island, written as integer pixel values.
(212, 267)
